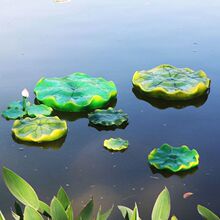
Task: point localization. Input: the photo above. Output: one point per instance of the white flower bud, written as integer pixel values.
(25, 93)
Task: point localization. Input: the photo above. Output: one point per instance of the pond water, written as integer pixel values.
(113, 39)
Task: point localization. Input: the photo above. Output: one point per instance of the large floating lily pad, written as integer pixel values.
(39, 129)
(108, 117)
(116, 144)
(76, 92)
(173, 158)
(171, 83)
(15, 110)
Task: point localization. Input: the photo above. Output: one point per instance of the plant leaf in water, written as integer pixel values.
(108, 117)
(38, 110)
(57, 211)
(20, 189)
(39, 129)
(75, 93)
(206, 213)
(171, 83)
(2, 216)
(126, 212)
(105, 215)
(63, 198)
(44, 209)
(161, 209)
(116, 144)
(86, 213)
(174, 159)
(69, 212)
(174, 217)
(30, 213)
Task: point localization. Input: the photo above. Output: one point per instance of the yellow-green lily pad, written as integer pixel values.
(75, 93)
(39, 129)
(174, 159)
(116, 144)
(108, 117)
(172, 83)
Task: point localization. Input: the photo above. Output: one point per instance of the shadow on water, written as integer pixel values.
(164, 104)
(167, 173)
(109, 128)
(55, 145)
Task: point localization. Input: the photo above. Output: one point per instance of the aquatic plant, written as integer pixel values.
(116, 144)
(39, 129)
(60, 207)
(161, 210)
(108, 117)
(20, 109)
(173, 158)
(75, 93)
(171, 83)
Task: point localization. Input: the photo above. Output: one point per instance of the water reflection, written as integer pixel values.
(54, 145)
(164, 104)
(168, 173)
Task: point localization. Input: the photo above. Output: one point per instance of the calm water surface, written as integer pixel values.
(114, 39)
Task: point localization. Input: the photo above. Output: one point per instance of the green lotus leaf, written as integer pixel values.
(116, 144)
(15, 110)
(173, 158)
(39, 129)
(37, 110)
(171, 83)
(108, 117)
(75, 93)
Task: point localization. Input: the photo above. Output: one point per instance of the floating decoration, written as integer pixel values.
(108, 117)
(171, 83)
(39, 129)
(19, 109)
(116, 144)
(75, 93)
(173, 158)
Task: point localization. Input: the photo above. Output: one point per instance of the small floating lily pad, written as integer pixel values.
(15, 110)
(173, 158)
(39, 129)
(75, 93)
(172, 83)
(108, 117)
(116, 144)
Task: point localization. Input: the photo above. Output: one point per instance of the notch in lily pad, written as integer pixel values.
(20, 109)
(116, 144)
(174, 159)
(108, 118)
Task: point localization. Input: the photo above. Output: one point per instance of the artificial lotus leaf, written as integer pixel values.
(173, 158)
(37, 110)
(75, 93)
(39, 129)
(171, 83)
(108, 117)
(15, 110)
(116, 144)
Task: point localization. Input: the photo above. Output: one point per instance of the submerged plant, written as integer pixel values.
(173, 158)
(75, 93)
(39, 129)
(116, 144)
(108, 117)
(171, 83)
(20, 109)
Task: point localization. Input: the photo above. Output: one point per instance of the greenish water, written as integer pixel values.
(113, 39)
